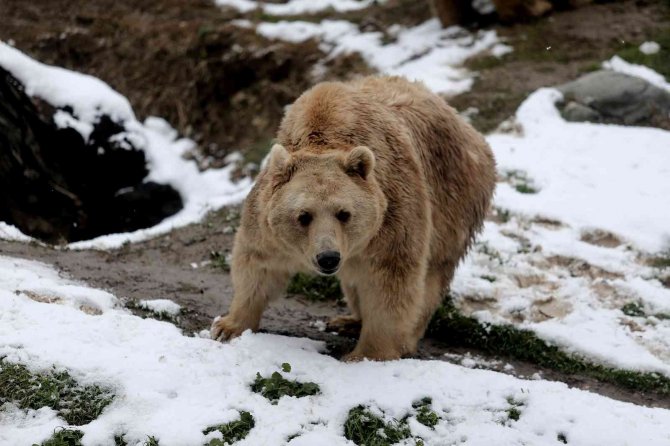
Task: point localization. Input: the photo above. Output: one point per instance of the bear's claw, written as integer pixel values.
(348, 324)
(224, 329)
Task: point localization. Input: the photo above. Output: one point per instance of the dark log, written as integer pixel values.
(58, 187)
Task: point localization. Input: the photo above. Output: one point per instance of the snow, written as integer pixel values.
(618, 64)
(173, 386)
(546, 278)
(650, 48)
(90, 98)
(9, 232)
(296, 7)
(161, 306)
(427, 52)
(589, 175)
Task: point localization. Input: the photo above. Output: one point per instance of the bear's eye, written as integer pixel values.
(305, 218)
(343, 216)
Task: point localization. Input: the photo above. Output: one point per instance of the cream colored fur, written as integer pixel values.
(416, 180)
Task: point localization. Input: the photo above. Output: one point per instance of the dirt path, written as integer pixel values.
(163, 268)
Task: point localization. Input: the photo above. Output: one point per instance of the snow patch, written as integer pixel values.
(90, 98)
(9, 232)
(650, 48)
(589, 175)
(172, 386)
(427, 52)
(296, 7)
(618, 64)
(161, 306)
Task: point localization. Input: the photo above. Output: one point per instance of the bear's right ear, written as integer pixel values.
(280, 166)
(279, 158)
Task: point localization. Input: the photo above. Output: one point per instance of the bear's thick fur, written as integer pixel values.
(377, 180)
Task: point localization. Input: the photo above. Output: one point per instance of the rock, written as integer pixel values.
(56, 186)
(618, 98)
(576, 112)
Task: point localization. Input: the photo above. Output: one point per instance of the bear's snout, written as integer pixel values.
(328, 261)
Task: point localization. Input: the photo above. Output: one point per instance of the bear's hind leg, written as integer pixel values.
(350, 323)
(436, 288)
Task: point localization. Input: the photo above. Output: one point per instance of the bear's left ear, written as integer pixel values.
(360, 161)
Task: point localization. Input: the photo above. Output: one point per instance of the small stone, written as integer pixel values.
(575, 112)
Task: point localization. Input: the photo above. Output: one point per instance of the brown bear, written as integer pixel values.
(462, 12)
(378, 181)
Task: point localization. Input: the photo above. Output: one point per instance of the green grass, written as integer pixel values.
(119, 440)
(219, 261)
(234, 431)
(635, 309)
(424, 414)
(520, 181)
(364, 428)
(452, 328)
(525, 188)
(503, 215)
(315, 288)
(495, 106)
(659, 62)
(513, 411)
(277, 386)
(660, 260)
(63, 437)
(75, 403)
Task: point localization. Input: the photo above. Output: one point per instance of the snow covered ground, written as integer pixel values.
(172, 386)
(427, 52)
(90, 98)
(580, 207)
(539, 271)
(296, 7)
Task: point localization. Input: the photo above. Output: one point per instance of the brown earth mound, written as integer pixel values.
(215, 82)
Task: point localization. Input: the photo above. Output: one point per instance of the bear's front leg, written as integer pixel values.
(254, 287)
(390, 308)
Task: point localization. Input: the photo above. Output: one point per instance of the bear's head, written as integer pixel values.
(324, 207)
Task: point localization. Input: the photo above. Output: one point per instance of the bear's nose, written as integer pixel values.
(328, 261)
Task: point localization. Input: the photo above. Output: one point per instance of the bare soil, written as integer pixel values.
(556, 50)
(226, 87)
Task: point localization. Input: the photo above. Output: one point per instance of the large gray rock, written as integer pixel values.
(608, 96)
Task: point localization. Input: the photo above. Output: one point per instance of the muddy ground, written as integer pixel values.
(226, 88)
(179, 266)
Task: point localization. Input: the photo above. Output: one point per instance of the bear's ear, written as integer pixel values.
(280, 166)
(360, 161)
(279, 158)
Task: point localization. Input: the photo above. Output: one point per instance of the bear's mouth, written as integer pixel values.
(327, 272)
